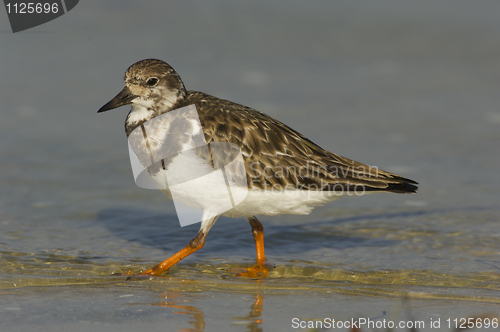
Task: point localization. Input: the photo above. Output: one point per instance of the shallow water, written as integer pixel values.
(410, 88)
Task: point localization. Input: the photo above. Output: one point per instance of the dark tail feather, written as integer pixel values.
(379, 186)
(395, 184)
(398, 185)
(402, 188)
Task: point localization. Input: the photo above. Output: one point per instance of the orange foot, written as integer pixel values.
(257, 271)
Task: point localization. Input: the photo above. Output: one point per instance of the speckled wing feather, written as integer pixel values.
(278, 157)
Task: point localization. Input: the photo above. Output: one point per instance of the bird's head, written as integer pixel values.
(152, 88)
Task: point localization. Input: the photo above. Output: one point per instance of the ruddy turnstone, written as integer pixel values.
(286, 173)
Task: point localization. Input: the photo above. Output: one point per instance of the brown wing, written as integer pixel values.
(278, 157)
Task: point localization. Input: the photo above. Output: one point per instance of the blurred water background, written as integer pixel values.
(411, 87)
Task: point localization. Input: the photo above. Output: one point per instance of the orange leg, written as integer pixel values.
(259, 270)
(194, 245)
(258, 235)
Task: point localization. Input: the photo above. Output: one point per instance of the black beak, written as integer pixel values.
(125, 97)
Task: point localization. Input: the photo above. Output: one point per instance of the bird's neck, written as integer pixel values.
(146, 110)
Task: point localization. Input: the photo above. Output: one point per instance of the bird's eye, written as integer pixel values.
(152, 81)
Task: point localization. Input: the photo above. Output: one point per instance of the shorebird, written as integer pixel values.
(286, 173)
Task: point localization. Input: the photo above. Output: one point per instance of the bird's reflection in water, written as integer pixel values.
(181, 303)
(253, 320)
